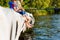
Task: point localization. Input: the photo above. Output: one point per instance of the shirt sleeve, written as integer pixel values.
(11, 4)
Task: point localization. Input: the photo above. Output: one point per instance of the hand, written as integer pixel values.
(28, 25)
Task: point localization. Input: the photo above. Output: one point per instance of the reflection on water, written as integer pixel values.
(47, 28)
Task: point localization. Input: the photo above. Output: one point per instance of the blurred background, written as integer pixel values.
(47, 19)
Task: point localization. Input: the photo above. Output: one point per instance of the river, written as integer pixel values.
(47, 28)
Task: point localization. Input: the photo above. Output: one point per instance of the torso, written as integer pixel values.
(17, 4)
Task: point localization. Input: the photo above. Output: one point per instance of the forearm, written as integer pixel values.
(21, 8)
(16, 9)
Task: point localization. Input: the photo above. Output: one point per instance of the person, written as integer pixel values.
(16, 6)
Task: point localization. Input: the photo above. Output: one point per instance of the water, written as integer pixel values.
(47, 28)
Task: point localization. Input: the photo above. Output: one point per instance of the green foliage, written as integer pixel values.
(4, 3)
(38, 4)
